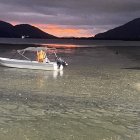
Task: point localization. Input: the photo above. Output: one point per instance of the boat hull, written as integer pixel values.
(25, 64)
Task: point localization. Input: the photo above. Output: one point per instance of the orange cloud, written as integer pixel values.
(61, 31)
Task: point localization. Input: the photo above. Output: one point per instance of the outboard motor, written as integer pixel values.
(60, 62)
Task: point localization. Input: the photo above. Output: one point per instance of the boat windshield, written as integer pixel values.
(34, 50)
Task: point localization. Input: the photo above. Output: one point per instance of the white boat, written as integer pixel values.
(29, 64)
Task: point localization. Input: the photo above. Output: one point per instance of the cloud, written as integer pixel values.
(63, 31)
(95, 15)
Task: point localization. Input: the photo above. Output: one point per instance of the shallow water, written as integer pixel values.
(95, 98)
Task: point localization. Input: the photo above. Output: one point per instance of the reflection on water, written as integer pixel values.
(36, 78)
(94, 98)
(68, 46)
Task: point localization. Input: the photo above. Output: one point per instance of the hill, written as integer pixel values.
(31, 31)
(128, 31)
(7, 30)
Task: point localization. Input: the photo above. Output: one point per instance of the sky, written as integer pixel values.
(70, 18)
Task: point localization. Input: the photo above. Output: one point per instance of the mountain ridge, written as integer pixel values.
(127, 31)
(22, 30)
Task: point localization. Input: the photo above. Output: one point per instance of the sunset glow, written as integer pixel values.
(62, 31)
(72, 18)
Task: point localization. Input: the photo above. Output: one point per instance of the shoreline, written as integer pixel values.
(18, 43)
(68, 41)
